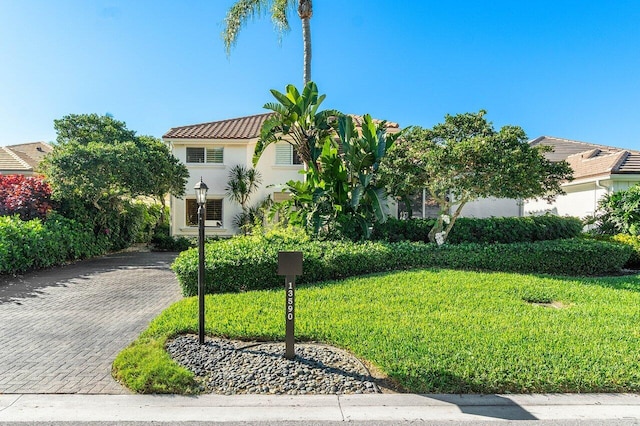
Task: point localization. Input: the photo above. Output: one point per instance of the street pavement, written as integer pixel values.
(60, 330)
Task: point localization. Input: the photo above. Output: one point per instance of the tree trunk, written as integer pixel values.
(305, 11)
(163, 204)
(439, 227)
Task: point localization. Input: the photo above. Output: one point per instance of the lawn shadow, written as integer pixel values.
(13, 289)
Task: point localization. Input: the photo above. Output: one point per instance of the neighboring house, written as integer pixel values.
(210, 150)
(22, 159)
(597, 170)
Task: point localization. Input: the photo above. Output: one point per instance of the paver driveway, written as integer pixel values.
(60, 329)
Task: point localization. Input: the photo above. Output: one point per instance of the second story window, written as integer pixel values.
(286, 155)
(205, 155)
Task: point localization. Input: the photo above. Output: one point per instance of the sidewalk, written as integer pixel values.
(315, 409)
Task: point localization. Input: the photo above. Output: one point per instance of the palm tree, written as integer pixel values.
(242, 10)
(243, 182)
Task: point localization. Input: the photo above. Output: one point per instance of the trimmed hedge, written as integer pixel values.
(488, 230)
(631, 241)
(33, 244)
(250, 263)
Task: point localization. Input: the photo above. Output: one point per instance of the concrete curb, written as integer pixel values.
(331, 408)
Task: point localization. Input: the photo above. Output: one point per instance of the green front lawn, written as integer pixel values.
(431, 331)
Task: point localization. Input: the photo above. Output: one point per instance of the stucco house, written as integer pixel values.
(597, 170)
(210, 150)
(22, 159)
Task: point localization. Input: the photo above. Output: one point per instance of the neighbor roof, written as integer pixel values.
(22, 158)
(235, 128)
(32, 152)
(11, 162)
(587, 159)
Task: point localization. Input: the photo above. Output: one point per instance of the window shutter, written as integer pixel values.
(284, 154)
(214, 210)
(195, 155)
(215, 155)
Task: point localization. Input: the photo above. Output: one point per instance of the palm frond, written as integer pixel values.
(237, 17)
(279, 9)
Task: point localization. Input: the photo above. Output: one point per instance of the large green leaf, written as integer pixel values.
(379, 203)
(356, 196)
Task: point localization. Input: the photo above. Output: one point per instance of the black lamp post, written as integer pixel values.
(201, 198)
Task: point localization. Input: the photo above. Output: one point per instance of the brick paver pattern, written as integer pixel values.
(60, 329)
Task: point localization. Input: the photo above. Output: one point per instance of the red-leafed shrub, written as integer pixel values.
(29, 197)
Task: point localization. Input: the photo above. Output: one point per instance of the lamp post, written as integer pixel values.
(201, 198)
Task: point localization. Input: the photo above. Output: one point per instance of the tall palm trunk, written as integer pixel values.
(305, 11)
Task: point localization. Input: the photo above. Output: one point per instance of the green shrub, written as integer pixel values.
(488, 230)
(150, 217)
(162, 241)
(33, 244)
(119, 226)
(250, 263)
(633, 242)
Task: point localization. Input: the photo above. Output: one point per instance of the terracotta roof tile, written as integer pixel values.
(235, 128)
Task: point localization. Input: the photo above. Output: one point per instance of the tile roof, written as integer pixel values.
(235, 128)
(587, 159)
(23, 157)
(32, 152)
(10, 162)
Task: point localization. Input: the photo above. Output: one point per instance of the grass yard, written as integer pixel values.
(431, 331)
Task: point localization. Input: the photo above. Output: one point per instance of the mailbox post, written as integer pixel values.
(290, 265)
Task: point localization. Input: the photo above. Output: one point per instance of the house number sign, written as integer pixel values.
(290, 265)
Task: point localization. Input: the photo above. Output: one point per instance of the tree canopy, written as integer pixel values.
(98, 159)
(464, 159)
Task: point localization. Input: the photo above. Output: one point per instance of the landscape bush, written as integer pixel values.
(121, 225)
(487, 230)
(250, 263)
(163, 241)
(27, 196)
(33, 244)
(632, 241)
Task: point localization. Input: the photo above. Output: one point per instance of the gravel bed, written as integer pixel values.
(229, 367)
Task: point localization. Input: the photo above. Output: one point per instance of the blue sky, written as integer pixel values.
(563, 68)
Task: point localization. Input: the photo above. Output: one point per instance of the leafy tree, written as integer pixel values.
(98, 161)
(243, 10)
(297, 121)
(28, 197)
(165, 173)
(464, 159)
(87, 128)
(243, 182)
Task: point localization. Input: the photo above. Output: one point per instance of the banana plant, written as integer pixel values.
(298, 121)
(363, 152)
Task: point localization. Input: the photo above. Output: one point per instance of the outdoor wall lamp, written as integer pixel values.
(201, 198)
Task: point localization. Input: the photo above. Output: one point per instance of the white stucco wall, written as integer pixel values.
(580, 200)
(216, 177)
(491, 207)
